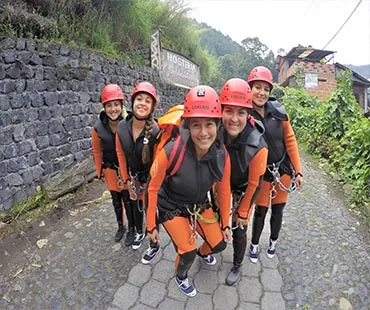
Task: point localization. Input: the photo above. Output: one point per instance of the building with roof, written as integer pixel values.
(319, 74)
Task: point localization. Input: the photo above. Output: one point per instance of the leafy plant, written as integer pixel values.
(335, 129)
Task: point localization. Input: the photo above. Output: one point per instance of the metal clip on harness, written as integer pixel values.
(236, 204)
(274, 170)
(196, 215)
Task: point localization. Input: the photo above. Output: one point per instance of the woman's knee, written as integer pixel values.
(188, 257)
(277, 209)
(260, 211)
(116, 199)
(219, 247)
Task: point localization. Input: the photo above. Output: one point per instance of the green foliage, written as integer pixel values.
(216, 43)
(299, 78)
(241, 63)
(354, 164)
(336, 130)
(18, 21)
(93, 29)
(32, 203)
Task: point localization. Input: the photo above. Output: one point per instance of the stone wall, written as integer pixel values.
(49, 99)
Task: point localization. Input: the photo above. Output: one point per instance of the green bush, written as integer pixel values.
(335, 129)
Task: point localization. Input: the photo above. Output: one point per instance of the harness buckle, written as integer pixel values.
(274, 170)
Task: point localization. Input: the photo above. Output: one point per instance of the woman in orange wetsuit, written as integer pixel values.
(136, 140)
(243, 138)
(104, 148)
(181, 198)
(284, 171)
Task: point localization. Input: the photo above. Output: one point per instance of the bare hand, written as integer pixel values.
(299, 182)
(102, 179)
(241, 222)
(154, 235)
(227, 234)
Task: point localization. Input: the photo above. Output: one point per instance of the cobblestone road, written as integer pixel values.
(323, 262)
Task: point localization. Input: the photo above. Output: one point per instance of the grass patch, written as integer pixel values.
(36, 202)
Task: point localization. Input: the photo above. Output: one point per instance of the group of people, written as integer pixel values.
(234, 153)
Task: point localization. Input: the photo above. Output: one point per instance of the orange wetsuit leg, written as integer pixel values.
(180, 233)
(210, 232)
(263, 198)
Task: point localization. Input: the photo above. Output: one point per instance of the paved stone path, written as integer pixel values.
(323, 262)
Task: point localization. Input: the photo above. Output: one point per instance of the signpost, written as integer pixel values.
(173, 68)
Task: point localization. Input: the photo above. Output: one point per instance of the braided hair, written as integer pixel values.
(145, 155)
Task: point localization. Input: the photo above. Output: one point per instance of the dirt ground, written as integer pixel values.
(25, 231)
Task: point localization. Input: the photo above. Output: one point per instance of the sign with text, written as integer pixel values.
(178, 70)
(311, 80)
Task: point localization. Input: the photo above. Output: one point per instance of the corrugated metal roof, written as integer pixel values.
(307, 53)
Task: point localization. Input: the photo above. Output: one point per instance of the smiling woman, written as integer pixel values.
(243, 138)
(104, 149)
(203, 132)
(136, 140)
(181, 200)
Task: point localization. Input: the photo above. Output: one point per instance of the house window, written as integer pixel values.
(310, 80)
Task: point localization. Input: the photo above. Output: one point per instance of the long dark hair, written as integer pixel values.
(145, 155)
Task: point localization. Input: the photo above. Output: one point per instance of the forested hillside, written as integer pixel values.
(217, 43)
(362, 70)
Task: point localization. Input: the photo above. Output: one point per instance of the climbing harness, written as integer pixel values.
(276, 181)
(237, 198)
(195, 215)
(135, 188)
(119, 177)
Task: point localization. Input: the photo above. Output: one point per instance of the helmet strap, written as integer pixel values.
(259, 106)
(141, 118)
(113, 120)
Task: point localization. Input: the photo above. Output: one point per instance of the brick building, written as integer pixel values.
(319, 73)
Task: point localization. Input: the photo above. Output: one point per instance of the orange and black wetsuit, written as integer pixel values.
(248, 153)
(132, 168)
(283, 152)
(174, 196)
(106, 161)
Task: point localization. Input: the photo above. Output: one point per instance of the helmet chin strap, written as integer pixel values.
(113, 120)
(260, 106)
(141, 118)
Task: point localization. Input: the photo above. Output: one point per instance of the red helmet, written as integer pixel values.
(236, 92)
(111, 92)
(145, 87)
(260, 73)
(202, 101)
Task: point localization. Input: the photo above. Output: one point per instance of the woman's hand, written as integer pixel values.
(241, 222)
(154, 235)
(227, 234)
(299, 181)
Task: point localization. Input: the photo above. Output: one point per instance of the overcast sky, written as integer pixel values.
(287, 23)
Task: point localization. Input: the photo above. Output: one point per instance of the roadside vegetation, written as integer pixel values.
(336, 131)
